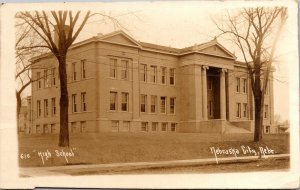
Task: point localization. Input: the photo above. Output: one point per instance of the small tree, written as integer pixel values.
(256, 32)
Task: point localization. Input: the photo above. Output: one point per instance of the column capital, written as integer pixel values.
(224, 70)
(205, 67)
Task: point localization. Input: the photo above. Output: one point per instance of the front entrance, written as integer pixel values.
(213, 93)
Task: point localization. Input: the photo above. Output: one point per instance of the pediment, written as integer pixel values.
(218, 51)
(120, 38)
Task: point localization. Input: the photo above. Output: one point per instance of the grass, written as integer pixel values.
(103, 148)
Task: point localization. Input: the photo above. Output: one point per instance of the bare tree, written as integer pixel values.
(24, 35)
(256, 32)
(64, 25)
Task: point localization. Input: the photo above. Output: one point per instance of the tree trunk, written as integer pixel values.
(258, 104)
(19, 103)
(258, 119)
(64, 102)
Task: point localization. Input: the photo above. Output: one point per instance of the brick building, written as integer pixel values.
(116, 83)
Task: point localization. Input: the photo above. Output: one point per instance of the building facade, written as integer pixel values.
(116, 83)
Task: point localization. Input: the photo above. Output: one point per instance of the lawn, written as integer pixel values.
(100, 148)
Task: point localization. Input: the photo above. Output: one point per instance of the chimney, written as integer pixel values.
(56, 36)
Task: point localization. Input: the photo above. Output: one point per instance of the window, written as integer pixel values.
(267, 89)
(245, 85)
(238, 110)
(245, 106)
(143, 103)
(172, 105)
(267, 129)
(211, 108)
(46, 79)
(154, 126)
(74, 104)
(126, 125)
(39, 82)
(45, 129)
(163, 75)
(173, 127)
(38, 129)
(113, 68)
(53, 129)
(45, 107)
(172, 76)
(124, 70)
(153, 104)
(74, 71)
(83, 101)
(124, 101)
(237, 84)
(144, 126)
(114, 126)
(113, 101)
(83, 69)
(39, 111)
(73, 127)
(53, 74)
(82, 126)
(153, 73)
(143, 73)
(163, 104)
(53, 106)
(164, 126)
(266, 115)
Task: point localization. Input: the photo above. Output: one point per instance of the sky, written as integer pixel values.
(181, 24)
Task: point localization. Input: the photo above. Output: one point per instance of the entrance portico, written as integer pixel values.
(214, 93)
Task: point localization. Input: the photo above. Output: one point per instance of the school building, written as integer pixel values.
(118, 84)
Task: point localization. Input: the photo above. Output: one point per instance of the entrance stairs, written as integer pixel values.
(230, 128)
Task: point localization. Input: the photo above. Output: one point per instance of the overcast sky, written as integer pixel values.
(182, 24)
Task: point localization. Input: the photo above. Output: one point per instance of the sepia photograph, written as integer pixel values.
(155, 91)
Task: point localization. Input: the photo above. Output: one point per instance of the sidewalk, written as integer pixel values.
(57, 170)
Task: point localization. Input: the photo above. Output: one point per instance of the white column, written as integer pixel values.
(223, 94)
(204, 92)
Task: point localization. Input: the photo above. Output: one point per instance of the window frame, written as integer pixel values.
(74, 73)
(113, 66)
(174, 104)
(115, 100)
(124, 69)
(163, 75)
(46, 108)
(164, 128)
(83, 68)
(126, 101)
(53, 106)
(146, 126)
(74, 104)
(39, 82)
(245, 110)
(53, 78)
(143, 73)
(238, 110)
(153, 100)
(145, 103)
(266, 111)
(171, 127)
(165, 104)
(39, 109)
(238, 84)
(153, 73)
(83, 102)
(155, 125)
(245, 85)
(172, 76)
